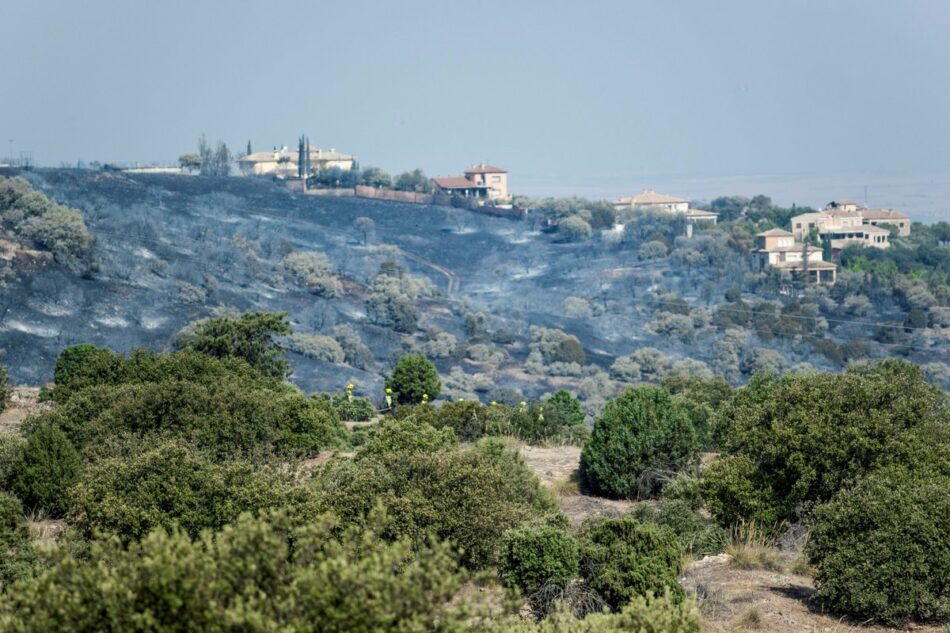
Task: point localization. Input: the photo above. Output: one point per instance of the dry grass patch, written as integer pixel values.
(751, 549)
(569, 487)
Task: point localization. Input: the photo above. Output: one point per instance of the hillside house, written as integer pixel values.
(846, 222)
(282, 163)
(649, 200)
(479, 181)
(778, 249)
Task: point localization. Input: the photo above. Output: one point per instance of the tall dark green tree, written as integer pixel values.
(251, 336)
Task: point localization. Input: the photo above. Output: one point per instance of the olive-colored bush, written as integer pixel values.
(169, 485)
(258, 575)
(640, 437)
(696, 534)
(251, 337)
(430, 485)
(643, 614)
(881, 549)
(222, 406)
(413, 378)
(45, 469)
(797, 440)
(567, 407)
(532, 557)
(18, 559)
(624, 558)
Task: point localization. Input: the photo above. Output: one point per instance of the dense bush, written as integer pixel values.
(799, 439)
(413, 379)
(251, 337)
(355, 352)
(257, 575)
(429, 485)
(165, 486)
(315, 272)
(881, 548)
(18, 559)
(567, 407)
(697, 535)
(353, 408)
(643, 614)
(639, 438)
(45, 469)
(222, 406)
(624, 558)
(533, 557)
(51, 226)
(322, 348)
(5, 388)
(11, 445)
(735, 491)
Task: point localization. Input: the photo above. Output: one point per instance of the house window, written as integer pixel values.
(496, 178)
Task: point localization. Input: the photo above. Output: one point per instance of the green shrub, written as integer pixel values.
(45, 469)
(11, 516)
(258, 575)
(535, 423)
(881, 548)
(803, 437)
(735, 492)
(73, 361)
(413, 378)
(624, 558)
(251, 337)
(17, 556)
(469, 419)
(222, 406)
(644, 614)
(430, 485)
(533, 557)
(685, 487)
(567, 408)
(640, 434)
(697, 535)
(11, 445)
(316, 346)
(353, 408)
(165, 486)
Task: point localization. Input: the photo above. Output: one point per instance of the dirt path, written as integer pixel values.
(556, 467)
(732, 599)
(25, 401)
(453, 279)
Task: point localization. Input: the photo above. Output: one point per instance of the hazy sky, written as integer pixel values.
(561, 93)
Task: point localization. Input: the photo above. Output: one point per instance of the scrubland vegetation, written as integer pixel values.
(716, 410)
(190, 500)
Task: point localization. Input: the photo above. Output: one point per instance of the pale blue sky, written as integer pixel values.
(564, 94)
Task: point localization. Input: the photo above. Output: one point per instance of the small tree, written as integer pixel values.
(376, 177)
(190, 161)
(641, 437)
(45, 469)
(624, 558)
(574, 229)
(533, 557)
(250, 336)
(365, 226)
(414, 377)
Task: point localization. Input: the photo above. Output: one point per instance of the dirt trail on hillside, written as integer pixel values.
(555, 466)
(24, 402)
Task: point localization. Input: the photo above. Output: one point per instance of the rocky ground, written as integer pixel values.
(24, 402)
